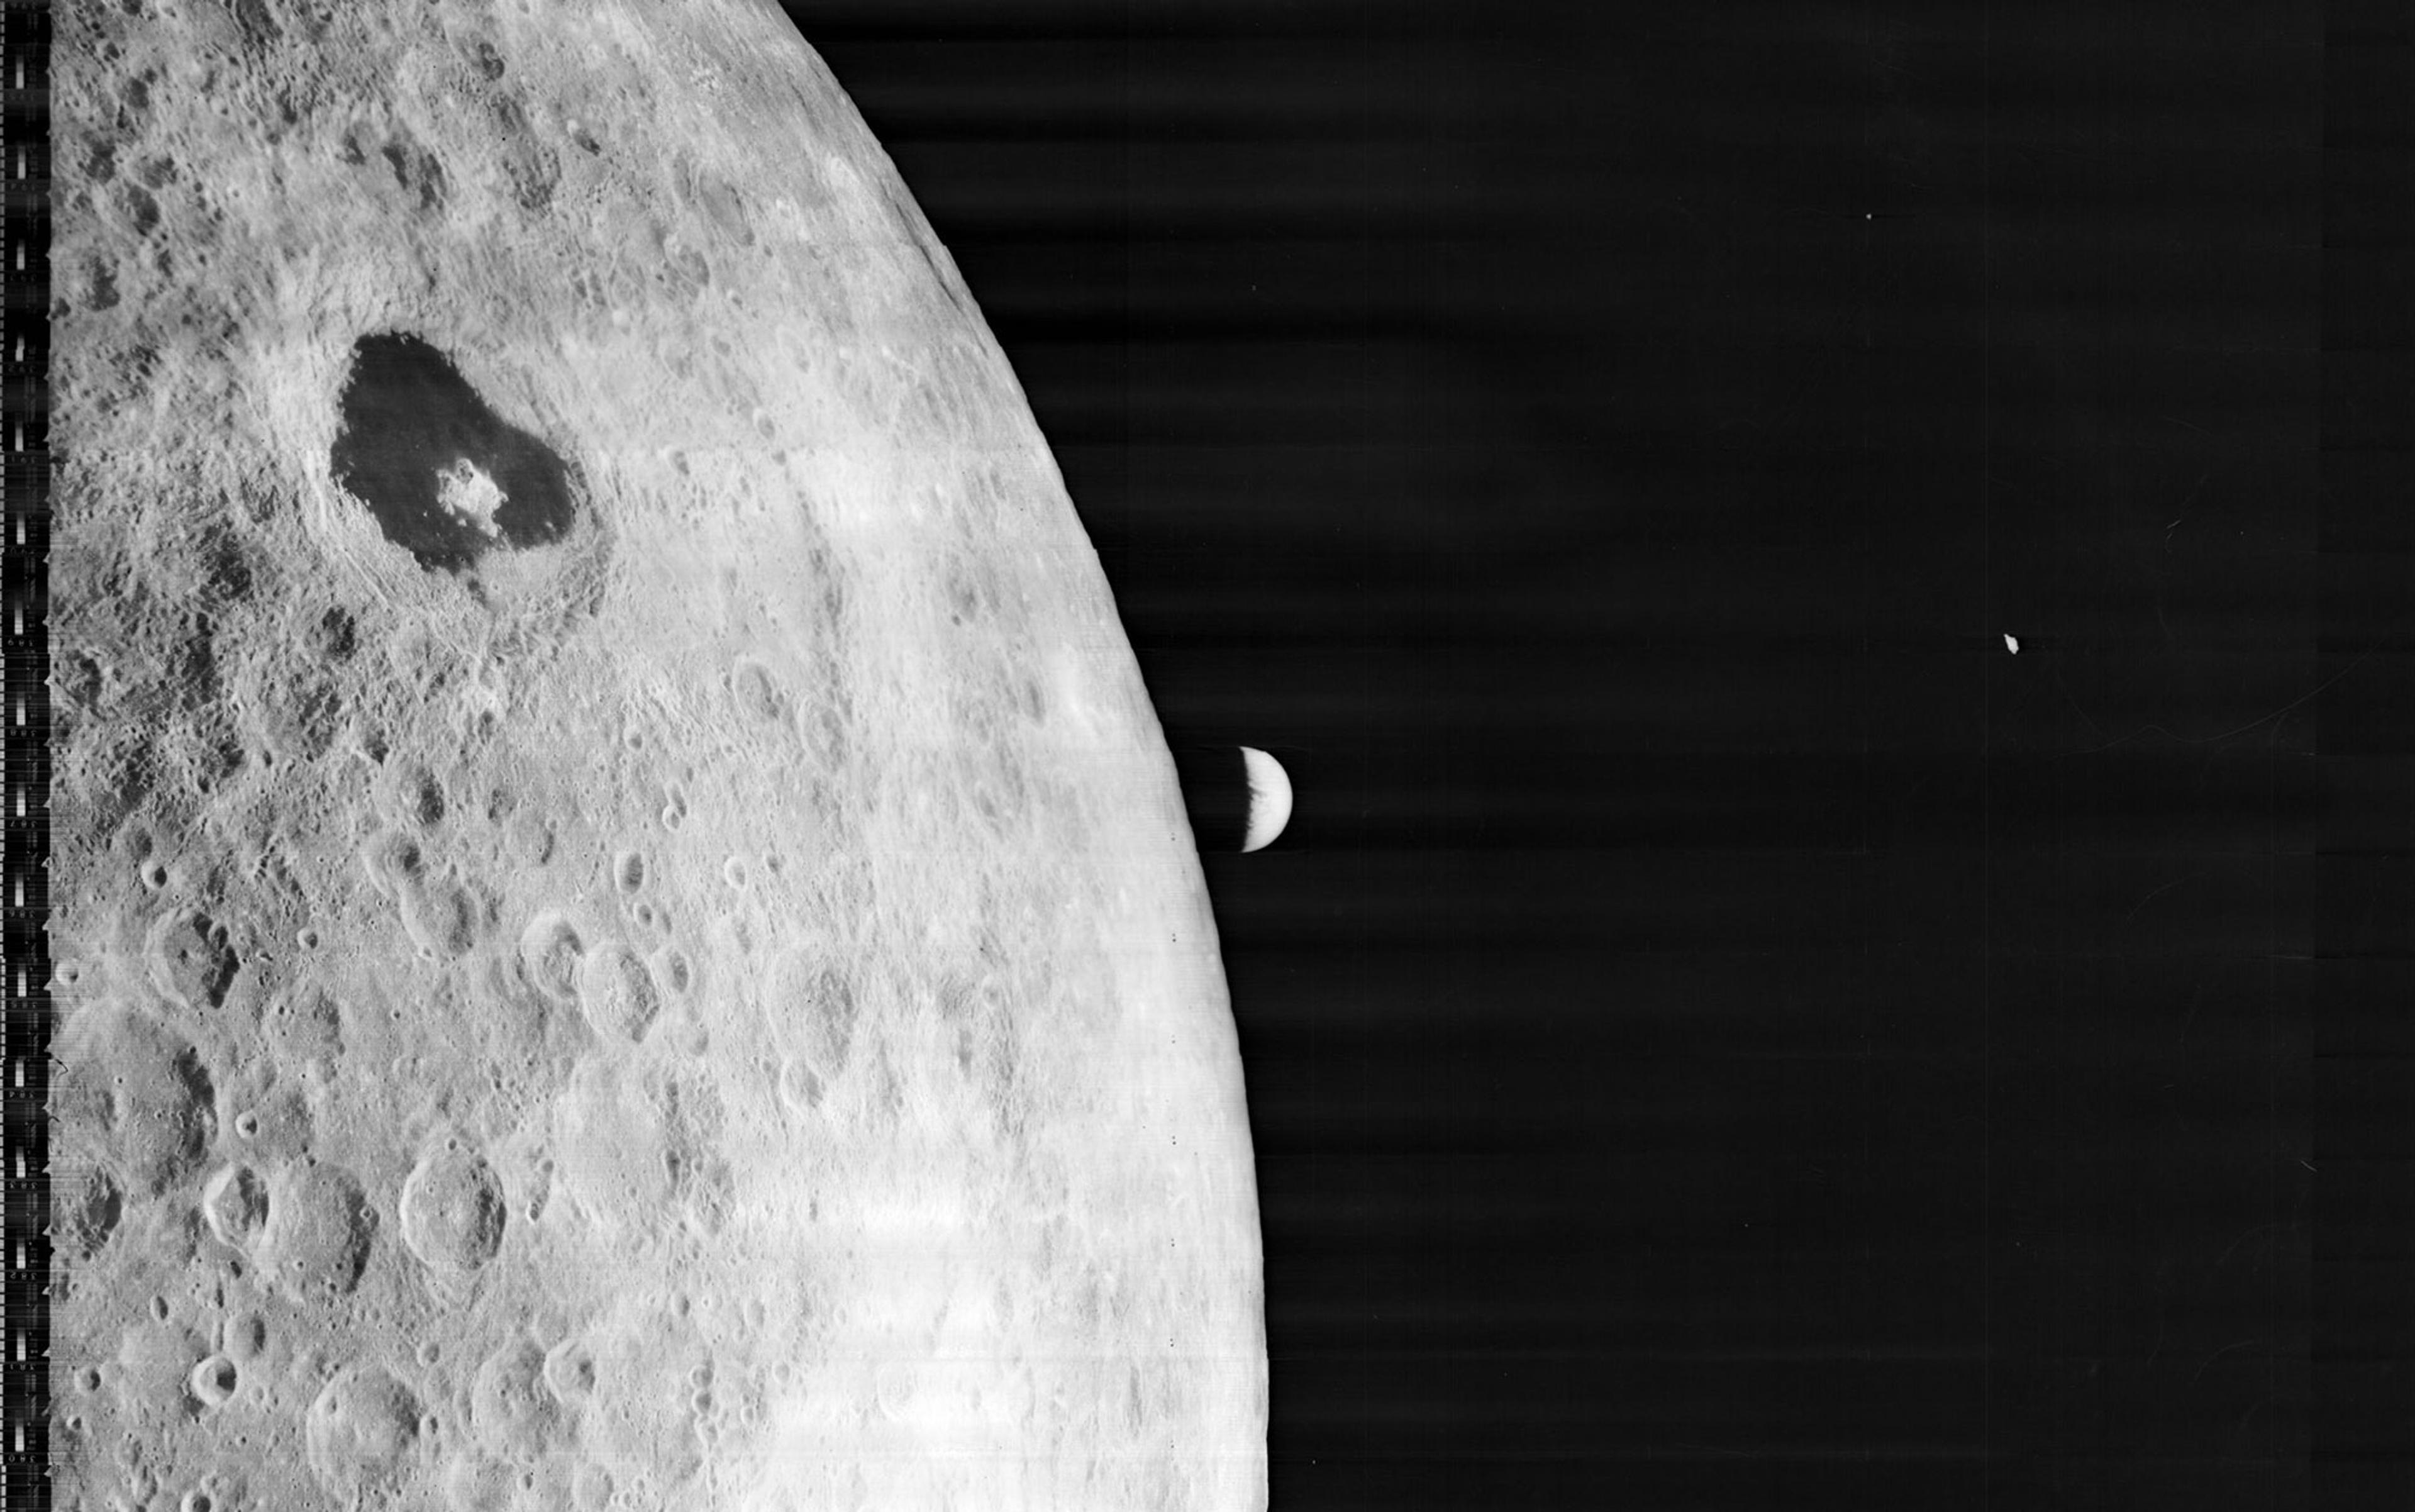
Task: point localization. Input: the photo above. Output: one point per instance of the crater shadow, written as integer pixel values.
(445, 477)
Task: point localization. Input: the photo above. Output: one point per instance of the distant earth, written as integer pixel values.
(626, 933)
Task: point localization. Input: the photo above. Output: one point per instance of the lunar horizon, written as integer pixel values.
(627, 934)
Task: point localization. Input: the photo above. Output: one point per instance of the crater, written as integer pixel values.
(89, 1209)
(756, 693)
(245, 1337)
(510, 1406)
(550, 953)
(395, 862)
(336, 634)
(234, 1204)
(191, 960)
(812, 1008)
(442, 918)
(146, 1085)
(678, 974)
(570, 1371)
(320, 1228)
(445, 477)
(418, 795)
(213, 1382)
(800, 1087)
(617, 993)
(362, 1432)
(452, 1210)
(304, 1026)
(629, 871)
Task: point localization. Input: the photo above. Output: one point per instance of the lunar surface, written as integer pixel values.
(626, 934)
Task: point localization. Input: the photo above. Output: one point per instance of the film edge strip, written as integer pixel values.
(24, 351)
(2360, 1391)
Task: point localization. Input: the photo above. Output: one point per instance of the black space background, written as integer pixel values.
(1724, 1030)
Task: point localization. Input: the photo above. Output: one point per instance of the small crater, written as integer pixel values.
(245, 1337)
(89, 1208)
(452, 1211)
(416, 172)
(395, 862)
(260, 27)
(442, 918)
(532, 837)
(534, 169)
(99, 284)
(720, 204)
(148, 1084)
(411, 426)
(304, 1026)
(688, 1035)
(629, 871)
(756, 693)
(813, 1007)
(480, 1483)
(733, 872)
(336, 635)
(800, 1088)
(320, 1229)
(142, 209)
(224, 566)
(418, 796)
(551, 952)
(191, 961)
(694, 1134)
(77, 681)
(213, 1382)
(964, 597)
(510, 1407)
(671, 964)
(570, 1372)
(362, 1433)
(234, 1204)
(828, 735)
(617, 993)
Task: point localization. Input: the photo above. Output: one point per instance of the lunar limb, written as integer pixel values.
(628, 935)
